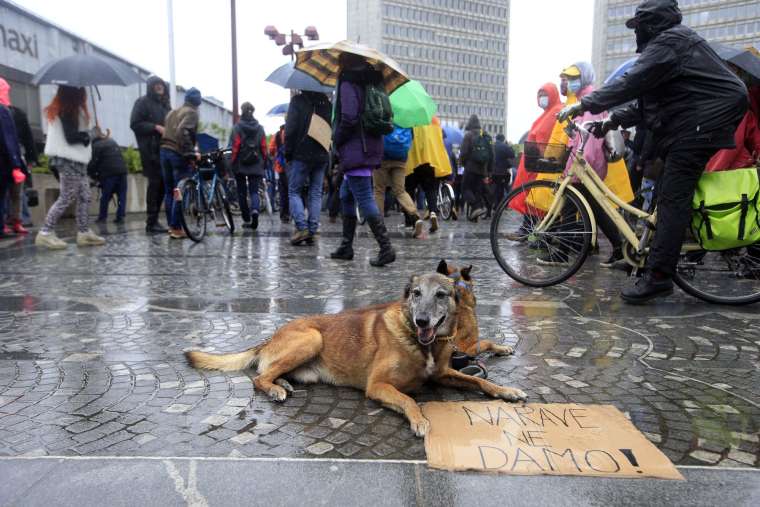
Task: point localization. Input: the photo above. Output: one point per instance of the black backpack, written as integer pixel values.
(250, 149)
(482, 148)
(377, 116)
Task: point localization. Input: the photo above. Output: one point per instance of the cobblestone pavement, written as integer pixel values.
(91, 342)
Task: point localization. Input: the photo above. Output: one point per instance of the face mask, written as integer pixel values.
(643, 36)
(574, 85)
(543, 102)
(563, 87)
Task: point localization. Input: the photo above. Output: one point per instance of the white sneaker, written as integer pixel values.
(418, 224)
(89, 238)
(433, 222)
(49, 240)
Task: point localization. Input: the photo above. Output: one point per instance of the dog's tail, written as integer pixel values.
(223, 362)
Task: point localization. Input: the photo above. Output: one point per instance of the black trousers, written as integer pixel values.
(424, 176)
(501, 188)
(675, 191)
(474, 190)
(153, 198)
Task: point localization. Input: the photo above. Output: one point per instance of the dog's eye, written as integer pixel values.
(441, 295)
(417, 293)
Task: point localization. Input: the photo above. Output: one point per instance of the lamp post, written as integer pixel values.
(233, 19)
(296, 40)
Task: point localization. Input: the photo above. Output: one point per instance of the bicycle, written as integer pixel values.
(446, 200)
(202, 195)
(558, 221)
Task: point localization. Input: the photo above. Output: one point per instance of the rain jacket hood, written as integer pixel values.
(652, 18)
(152, 81)
(5, 93)
(473, 123)
(541, 130)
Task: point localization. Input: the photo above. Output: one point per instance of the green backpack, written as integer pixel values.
(726, 209)
(377, 116)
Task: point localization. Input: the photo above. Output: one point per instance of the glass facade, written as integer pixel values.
(457, 48)
(732, 22)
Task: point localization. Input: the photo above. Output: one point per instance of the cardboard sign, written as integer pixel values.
(320, 131)
(535, 439)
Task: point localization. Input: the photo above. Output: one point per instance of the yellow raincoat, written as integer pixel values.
(428, 148)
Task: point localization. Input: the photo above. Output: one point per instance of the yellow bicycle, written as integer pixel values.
(542, 232)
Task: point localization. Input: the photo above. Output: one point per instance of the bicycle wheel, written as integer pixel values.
(192, 209)
(447, 201)
(731, 277)
(222, 207)
(536, 254)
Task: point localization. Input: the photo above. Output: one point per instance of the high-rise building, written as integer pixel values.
(732, 22)
(458, 49)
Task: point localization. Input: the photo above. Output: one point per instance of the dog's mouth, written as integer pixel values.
(426, 335)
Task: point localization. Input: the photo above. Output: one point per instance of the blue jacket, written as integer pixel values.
(10, 154)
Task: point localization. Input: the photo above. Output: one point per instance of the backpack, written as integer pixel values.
(725, 209)
(250, 149)
(482, 148)
(377, 116)
(396, 144)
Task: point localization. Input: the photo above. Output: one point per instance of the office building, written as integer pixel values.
(458, 49)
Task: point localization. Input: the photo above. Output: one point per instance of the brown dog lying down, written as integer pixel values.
(466, 339)
(386, 350)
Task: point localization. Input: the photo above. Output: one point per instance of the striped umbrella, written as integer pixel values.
(321, 62)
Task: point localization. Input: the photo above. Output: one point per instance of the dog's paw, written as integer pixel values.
(277, 393)
(510, 394)
(285, 385)
(503, 350)
(421, 427)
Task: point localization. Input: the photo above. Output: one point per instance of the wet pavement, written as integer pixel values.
(91, 343)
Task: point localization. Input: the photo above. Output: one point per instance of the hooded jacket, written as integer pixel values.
(180, 130)
(298, 145)
(472, 132)
(150, 110)
(356, 149)
(107, 159)
(10, 156)
(248, 127)
(684, 92)
(21, 122)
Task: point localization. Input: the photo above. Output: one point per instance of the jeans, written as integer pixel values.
(647, 193)
(282, 186)
(358, 189)
(424, 176)
(302, 174)
(675, 191)
(113, 185)
(174, 168)
(248, 185)
(6, 181)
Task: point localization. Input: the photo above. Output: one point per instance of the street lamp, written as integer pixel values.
(296, 40)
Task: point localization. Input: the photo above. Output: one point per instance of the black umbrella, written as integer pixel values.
(289, 77)
(85, 70)
(745, 59)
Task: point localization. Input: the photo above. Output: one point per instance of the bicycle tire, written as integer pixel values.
(223, 207)
(496, 247)
(447, 201)
(192, 207)
(693, 290)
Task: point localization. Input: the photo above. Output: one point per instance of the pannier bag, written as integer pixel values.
(726, 209)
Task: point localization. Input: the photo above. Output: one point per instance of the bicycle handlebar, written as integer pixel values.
(582, 129)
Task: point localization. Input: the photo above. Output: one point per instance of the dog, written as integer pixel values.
(385, 350)
(466, 339)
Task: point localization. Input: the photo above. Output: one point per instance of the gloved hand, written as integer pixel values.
(570, 112)
(599, 129)
(18, 176)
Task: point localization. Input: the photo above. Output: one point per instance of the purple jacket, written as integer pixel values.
(10, 155)
(348, 137)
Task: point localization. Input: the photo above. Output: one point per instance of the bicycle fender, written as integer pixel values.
(591, 216)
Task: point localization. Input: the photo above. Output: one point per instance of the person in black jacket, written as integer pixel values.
(503, 163)
(109, 169)
(691, 102)
(249, 159)
(147, 122)
(307, 161)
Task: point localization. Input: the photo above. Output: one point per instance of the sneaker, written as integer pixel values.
(118, 220)
(89, 238)
(476, 213)
(100, 220)
(49, 240)
(454, 214)
(155, 228)
(177, 234)
(616, 257)
(7, 231)
(418, 228)
(254, 221)
(433, 223)
(646, 288)
(553, 259)
(299, 237)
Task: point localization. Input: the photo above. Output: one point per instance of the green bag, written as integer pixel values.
(726, 209)
(377, 116)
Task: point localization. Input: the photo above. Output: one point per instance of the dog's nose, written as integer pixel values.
(422, 322)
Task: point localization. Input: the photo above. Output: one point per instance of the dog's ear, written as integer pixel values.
(443, 268)
(408, 288)
(466, 273)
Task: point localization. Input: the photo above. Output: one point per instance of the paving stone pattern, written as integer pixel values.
(91, 345)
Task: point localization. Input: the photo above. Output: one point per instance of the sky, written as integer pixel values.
(546, 36)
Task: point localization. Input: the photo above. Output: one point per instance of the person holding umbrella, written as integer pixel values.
(69, 150)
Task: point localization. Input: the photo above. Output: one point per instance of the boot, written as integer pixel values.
(386, 254)
(346, 249)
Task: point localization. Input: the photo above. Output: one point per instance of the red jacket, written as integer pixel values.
(746, 137)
